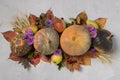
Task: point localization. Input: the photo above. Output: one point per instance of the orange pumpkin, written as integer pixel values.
(75, 40)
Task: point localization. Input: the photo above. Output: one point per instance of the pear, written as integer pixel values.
(56, 59)
(57, 56)
(33, 28)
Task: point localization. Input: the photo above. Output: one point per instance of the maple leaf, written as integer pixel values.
(8, 35)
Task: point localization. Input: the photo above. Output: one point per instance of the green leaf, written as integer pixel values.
(30, 55)
(72, 20)
(78, 20)
(61, 65)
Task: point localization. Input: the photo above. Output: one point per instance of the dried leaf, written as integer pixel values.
(8, 35)
(70, 67)
(101, 22)
(86, 60)
(80, 61)
(32, 19)
(35, 60)
(76, 66)
(14, 57)
(83, 17)
(25, 63)
(49, 14)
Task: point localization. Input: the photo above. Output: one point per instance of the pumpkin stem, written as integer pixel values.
(109, 37)
(73, 38)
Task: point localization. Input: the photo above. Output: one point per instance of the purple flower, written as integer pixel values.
(25, 36)
(58, 52)
(92, 50)
(92, 30)
(48, 22)
(28, 35)
(90, 27)
(28, 32)
(30, 40)
(93, 34)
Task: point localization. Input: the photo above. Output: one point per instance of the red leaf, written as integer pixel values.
(58, 24)
(32, 19)
(14, 57)
(8, 35)
(35, 60)
(49, 14)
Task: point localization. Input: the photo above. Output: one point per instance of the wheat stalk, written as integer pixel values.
(21, 23)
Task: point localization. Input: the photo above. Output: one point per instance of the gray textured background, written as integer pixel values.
(110, 9)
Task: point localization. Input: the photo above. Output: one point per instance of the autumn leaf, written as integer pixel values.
(35, 60)
(25, 63)
(49, 14)
(82, 17)
(14, 57)
(8, 35)
(32, 19)
(76, 66)
(101, 22)
(86, 60)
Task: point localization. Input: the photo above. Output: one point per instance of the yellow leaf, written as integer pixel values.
(101, 22)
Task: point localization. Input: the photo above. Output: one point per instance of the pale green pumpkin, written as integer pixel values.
(46, 41)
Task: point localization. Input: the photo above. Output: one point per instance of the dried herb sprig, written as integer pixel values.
(21, 23)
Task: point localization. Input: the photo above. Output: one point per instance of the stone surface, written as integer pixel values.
(10, 70)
